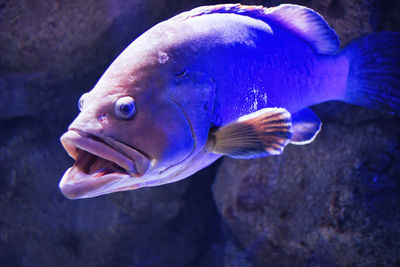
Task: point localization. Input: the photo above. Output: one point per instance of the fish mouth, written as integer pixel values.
(102, 164)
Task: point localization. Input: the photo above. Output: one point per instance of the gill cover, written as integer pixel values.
(194, 93)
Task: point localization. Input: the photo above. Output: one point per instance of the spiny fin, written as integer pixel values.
(302, 21)
(251, 11)
(305, 125)
(259, 134)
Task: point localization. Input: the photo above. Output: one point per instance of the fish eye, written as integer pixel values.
(81, 101)
(125, 107)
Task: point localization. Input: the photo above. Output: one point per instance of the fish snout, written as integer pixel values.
(85, 121)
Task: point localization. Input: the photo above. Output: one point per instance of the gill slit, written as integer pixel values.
(192, 133)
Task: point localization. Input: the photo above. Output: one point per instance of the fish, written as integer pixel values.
(224, 80)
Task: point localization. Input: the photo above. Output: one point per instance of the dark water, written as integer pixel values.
(334, 202)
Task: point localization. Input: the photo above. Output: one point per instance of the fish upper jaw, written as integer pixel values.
(103, 165)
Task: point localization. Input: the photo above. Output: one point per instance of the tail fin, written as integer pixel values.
(374, 74)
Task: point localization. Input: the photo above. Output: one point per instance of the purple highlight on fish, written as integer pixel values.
(219, 80)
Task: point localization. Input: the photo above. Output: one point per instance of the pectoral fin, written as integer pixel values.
(306, 126)
(259, 134)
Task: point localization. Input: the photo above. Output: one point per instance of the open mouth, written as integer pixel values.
(101, 162)
(92, 165)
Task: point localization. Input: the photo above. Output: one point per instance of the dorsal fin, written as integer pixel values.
(304, 22)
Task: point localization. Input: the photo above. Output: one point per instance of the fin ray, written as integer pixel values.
(374, 73)
(262, 133)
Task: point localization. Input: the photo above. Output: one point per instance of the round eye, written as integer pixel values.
(81, 101)
(125, 107)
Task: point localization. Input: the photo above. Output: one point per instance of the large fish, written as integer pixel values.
(219, 80)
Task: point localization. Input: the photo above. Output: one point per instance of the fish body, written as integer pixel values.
(219, 80)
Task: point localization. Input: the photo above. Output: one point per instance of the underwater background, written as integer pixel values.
(334, 202)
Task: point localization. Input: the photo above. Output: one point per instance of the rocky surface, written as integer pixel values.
(329, 203)
(333, 202)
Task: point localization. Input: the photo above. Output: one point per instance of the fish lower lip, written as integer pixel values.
(86, 185)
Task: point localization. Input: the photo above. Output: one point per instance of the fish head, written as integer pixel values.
(141, 125)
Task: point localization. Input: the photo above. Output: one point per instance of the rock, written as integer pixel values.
(59, 36)
(330, 203)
